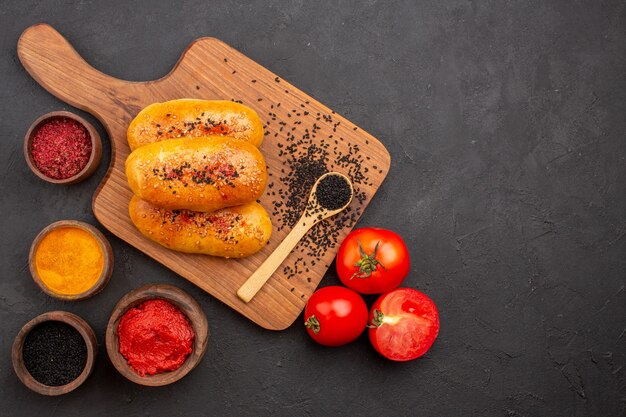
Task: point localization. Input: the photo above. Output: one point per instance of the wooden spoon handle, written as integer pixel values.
(256, 281)
(52, 62)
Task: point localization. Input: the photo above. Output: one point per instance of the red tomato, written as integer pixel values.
(335, 316)
(404, 324)
(372, 261)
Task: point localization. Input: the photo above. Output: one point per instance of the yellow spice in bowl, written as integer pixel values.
(69, 260)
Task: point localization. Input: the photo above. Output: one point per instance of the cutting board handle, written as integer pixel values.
(52, 62)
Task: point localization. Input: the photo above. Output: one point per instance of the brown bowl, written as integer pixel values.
(186, 304)
(106, 270)
(96, 147)
(18, 359)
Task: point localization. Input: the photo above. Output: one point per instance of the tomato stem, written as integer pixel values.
(368, 263)
(378, 320)
(313, 324)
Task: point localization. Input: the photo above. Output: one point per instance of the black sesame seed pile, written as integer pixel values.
(333, 192)
(299, 178)
(54, 353)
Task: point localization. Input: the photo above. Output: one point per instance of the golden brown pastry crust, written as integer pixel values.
(233, 232)
(202, 174)
(194, 118)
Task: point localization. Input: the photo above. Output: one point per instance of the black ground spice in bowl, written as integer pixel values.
(54, 353)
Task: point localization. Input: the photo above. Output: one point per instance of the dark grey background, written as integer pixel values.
(506, 125)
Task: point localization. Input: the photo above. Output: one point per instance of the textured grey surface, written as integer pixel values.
(506, 125)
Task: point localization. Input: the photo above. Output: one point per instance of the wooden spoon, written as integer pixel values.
(313, 214)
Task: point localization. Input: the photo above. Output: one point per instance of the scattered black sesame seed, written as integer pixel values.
(306, 153)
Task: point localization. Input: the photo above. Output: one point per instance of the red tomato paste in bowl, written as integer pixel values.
(155, 337)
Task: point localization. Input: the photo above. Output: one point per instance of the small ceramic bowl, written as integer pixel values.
(106, 250)
(186, 304)
(96, 147)
(18, 346)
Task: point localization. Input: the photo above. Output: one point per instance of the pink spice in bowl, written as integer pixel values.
(62, 148)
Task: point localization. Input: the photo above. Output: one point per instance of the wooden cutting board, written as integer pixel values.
(302, 138)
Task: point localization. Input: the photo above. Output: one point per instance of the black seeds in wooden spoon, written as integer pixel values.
(54, 353)
(333, 192)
